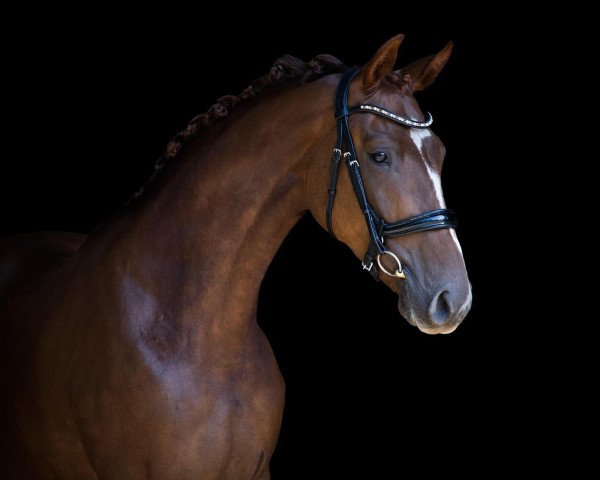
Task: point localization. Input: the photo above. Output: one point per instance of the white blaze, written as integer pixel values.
(455, 238)
(418, 135)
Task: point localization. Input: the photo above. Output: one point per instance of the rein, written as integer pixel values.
(378, 228)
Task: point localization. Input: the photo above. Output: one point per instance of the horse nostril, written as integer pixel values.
(440, 309)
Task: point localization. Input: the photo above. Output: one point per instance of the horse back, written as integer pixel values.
(24, 258)
(32, 273)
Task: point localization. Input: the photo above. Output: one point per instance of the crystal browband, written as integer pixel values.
(392, 116)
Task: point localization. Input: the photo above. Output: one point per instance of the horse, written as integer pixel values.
(134, 352)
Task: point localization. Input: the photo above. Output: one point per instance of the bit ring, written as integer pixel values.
(398, 273)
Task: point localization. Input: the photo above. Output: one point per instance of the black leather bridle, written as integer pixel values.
(378, 228)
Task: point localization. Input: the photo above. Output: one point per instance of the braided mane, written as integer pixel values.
(284, 70)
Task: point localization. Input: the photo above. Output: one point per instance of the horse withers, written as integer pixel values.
(134, 352)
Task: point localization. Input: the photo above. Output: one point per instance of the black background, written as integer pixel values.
(91, 105)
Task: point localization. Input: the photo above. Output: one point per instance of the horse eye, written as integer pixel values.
(378, 157)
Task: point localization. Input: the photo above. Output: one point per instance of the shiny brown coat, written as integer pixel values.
(134, 352)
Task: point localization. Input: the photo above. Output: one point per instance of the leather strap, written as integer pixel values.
(442, 218)
(335, 171)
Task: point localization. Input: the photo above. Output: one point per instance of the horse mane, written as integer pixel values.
(285, 70)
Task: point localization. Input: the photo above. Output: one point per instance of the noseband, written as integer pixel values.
(378, 228)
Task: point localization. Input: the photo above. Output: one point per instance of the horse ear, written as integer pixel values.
(422, 73)
(381, 64)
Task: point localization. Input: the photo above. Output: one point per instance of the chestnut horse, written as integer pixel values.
(134, 352)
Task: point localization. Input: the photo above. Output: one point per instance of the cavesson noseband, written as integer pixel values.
(378, 228)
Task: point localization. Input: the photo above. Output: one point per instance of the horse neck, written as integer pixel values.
(198, 244)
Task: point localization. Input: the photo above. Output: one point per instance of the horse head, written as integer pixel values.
(399, 162)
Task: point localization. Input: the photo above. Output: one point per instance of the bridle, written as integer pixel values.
(378, 228)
